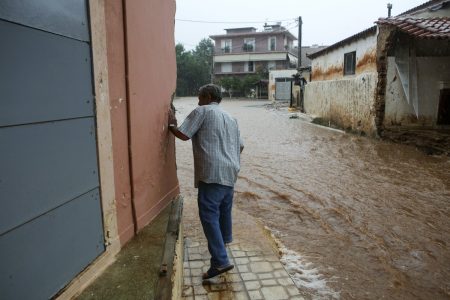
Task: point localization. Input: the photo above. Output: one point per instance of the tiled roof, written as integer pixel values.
(432, 28)
(428, 4)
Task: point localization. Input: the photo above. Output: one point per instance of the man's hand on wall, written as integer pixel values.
(172, 118)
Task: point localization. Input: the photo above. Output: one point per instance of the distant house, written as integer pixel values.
(396, 73)
(244, 51)
(282, 75)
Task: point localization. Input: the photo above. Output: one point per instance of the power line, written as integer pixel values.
(232, 22)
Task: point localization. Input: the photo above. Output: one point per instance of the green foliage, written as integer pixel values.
(230, 84)
(193, 67)
(262, 72)
(239, 86)
(248, 84)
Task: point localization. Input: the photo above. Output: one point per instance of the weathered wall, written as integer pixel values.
(119, 121)
(347, 103)
(430, 71)
(151, 83)
(330, 65)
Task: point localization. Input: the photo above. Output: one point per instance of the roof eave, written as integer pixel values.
(359, 35)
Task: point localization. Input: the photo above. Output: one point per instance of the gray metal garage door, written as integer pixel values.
(50, 215)
(283, 89)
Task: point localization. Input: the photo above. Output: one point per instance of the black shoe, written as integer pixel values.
(213, 272)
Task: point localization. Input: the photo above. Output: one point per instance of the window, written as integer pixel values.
(249, 45)
(271, 65)
(272, 43)
(226, 67)
(226, 46)
(349, 63)
(249, 67)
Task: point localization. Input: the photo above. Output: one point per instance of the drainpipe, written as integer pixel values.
(127, 72)
(389, 7)
(299, 59)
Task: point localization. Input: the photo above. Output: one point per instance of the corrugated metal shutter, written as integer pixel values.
(50, 214)
(283, 90)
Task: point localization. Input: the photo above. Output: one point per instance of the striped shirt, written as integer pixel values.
(216, 144)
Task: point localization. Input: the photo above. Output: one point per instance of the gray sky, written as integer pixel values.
(325, 22)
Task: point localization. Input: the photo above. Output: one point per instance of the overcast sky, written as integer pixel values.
(325, 22)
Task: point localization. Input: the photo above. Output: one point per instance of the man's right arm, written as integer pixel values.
(174, 129)
(190, 126)
(173, 126)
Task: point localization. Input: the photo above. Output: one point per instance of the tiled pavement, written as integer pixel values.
(258, 273)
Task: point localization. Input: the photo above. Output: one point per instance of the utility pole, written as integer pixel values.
(299, 59)
(212, 63)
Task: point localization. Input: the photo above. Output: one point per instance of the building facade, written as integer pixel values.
(245, 51)
(343, 82)
(392, 75)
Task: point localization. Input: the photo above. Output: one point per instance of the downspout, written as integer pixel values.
(128, 102)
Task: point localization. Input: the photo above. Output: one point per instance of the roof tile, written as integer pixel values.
(436, 28)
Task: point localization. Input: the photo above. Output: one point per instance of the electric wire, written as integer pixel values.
(232, 22)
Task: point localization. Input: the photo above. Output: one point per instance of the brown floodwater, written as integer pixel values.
(357, 218)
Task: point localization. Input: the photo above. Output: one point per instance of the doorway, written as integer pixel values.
(444, 108)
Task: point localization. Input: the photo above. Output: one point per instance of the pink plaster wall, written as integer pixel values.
(151, 82)
(118, 101)
(140, 43)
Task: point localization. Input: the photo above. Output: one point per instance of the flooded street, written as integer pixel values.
(359, 218)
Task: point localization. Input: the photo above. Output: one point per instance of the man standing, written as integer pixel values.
(217, 146)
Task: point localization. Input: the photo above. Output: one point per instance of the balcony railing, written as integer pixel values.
(248, 48)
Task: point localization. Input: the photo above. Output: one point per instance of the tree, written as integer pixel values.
(227, 83)
(248, 84)
(203, 55)
(182, 68)
(262, 72)
(193, 67)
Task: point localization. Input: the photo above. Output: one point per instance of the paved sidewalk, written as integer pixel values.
(258, 273)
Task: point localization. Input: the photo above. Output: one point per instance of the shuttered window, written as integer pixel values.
(349, 63)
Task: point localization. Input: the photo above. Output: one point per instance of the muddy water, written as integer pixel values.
(364, 219)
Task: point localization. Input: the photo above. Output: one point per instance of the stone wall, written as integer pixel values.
(346, 103)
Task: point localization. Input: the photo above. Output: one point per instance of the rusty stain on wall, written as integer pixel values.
(327, 74)
(367, 62)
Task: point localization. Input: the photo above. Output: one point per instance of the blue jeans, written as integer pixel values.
(214, 206)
